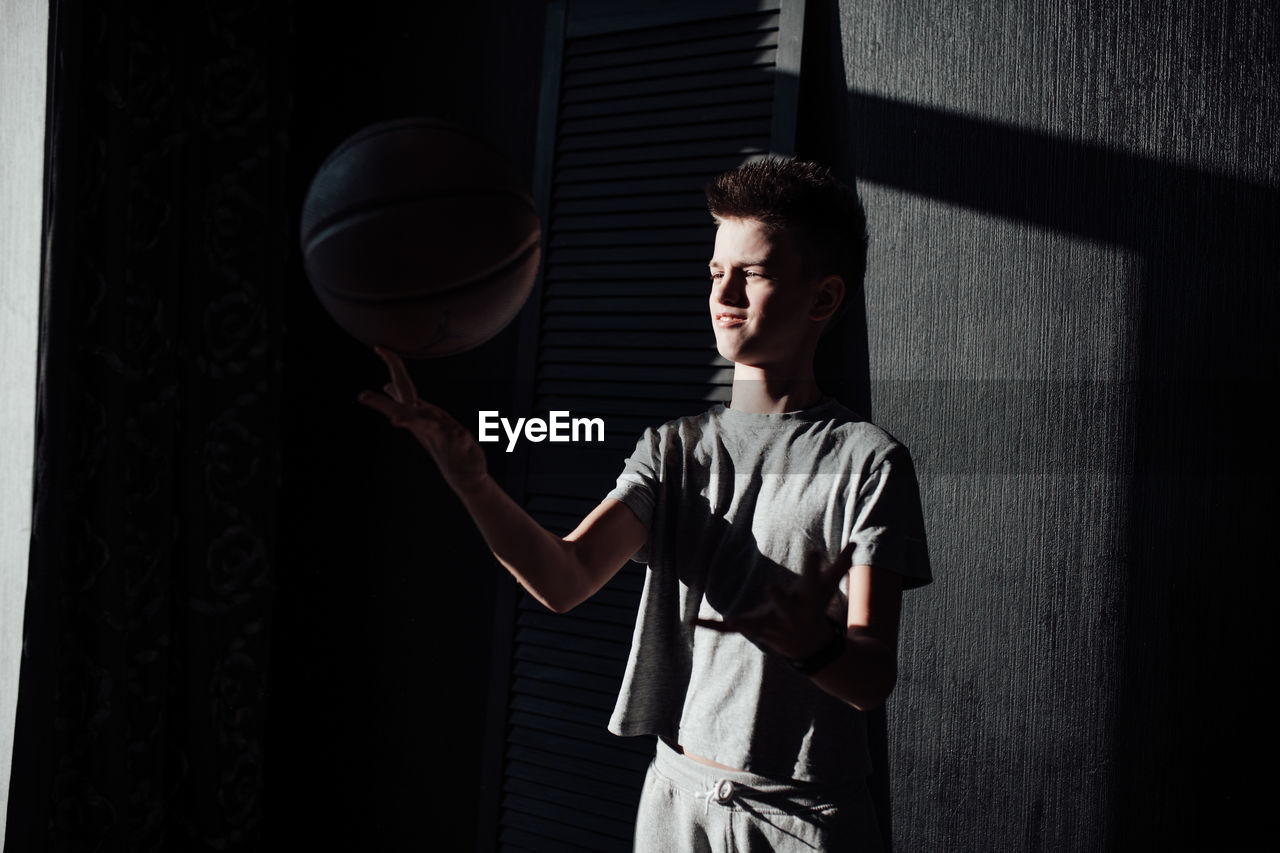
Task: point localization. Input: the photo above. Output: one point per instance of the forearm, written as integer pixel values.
(864, 674)
(542, 562)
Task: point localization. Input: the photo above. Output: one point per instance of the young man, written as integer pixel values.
(779, 533)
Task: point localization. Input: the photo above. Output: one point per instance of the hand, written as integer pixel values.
(794, 621)
(452, 447)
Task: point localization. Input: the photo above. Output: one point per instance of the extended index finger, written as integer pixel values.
(400, 379)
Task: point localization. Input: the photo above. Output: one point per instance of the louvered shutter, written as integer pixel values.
(638, 113)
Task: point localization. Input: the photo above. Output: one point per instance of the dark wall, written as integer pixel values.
(1071, 304)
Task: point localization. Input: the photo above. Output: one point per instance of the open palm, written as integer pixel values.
(450, 444)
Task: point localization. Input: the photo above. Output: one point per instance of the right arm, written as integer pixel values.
(561, 573)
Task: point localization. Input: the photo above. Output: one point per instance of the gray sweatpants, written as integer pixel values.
(688, 807)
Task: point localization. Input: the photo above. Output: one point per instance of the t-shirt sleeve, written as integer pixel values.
(889, 525)
(638, 485)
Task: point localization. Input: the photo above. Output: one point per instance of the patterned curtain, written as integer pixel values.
(143, 694)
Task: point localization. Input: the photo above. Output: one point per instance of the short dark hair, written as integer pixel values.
(824, 215)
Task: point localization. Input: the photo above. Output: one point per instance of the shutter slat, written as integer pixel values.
(692, 31)
(675, 84)
(621, 192)
(695, 256)
(655, 237)
(705, 147)
(540, 647)
(708, 45)
(637, 305)
(630, 272)
(756, 109)
(753, 90)
(692, 375)
(589, 732)
(573, 631)
(533, 686)
(658, 408)
(621, 356)
(591, 771)
(631, 322)
(595, 609)
(641, 399)
(552, 807)
(600, 636)
(714, 131)
(584, 391)
(699, 168)
(612, 753)
(546, 707)
(670, 206)
(624, 340)
(602, 211)
(671, 66)
(619, 814)
(522, 772)
(562, 827)
(518, 841)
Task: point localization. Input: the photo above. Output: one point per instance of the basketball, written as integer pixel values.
(419, 236)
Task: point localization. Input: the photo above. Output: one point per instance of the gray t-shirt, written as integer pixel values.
(732, 500)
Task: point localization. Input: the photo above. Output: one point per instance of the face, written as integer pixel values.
(764, 310)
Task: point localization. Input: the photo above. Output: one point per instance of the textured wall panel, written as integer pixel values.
(1070, 305)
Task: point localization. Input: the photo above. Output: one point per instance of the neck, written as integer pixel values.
(764, 391)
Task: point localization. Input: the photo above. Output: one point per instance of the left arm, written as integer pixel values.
(794, 623)
(865, 672)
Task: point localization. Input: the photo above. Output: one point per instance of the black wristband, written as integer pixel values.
(823, 656)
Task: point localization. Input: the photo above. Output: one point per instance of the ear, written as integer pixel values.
(828, 295)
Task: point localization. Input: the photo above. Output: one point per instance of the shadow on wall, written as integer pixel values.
(1201, 463)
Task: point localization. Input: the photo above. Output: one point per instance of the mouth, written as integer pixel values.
(725, 320)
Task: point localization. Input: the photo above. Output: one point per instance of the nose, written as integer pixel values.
(731, 289)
